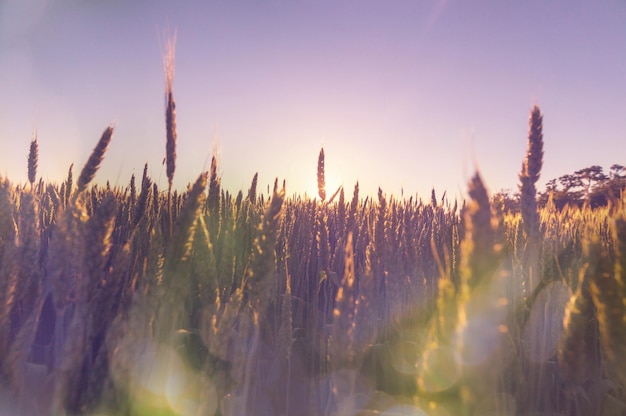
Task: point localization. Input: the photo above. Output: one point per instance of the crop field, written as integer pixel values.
(136, 300)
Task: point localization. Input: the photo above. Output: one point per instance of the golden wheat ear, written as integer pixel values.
(252, 190)
(478, 249)
(170, 109)
(343, 337)
(180, 248)
(321, 181)
(141, 208)
(579, 325)
(531, 170)
(608, 295)
(33, 155)
(66, 187)
(93, 164)
(261, 276)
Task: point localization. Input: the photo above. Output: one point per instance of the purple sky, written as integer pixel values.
(402, 94)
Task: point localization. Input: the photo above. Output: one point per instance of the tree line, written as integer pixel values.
(591, 185)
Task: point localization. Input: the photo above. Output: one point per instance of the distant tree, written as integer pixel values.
(508, 201)
(617, 171)
(551, 189)
(611, 188)
(570, 182)
(591, 177)
(589, 185)
(572, 190)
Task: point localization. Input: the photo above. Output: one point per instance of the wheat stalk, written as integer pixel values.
(321, 181)
(170, 110)
(608, 295)
(261, 277)
(252, 190)
(68, 186)
(578, 323)
(142, 204)
(478, 249)
(344, 337)
(20, 275)
(95, 159)
(32, 161)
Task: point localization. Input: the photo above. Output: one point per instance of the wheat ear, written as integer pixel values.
(32, 161)
(170, 110)
(321, 180)
(531, 169)
(92, 165)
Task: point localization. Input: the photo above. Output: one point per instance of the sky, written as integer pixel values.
(403, 95)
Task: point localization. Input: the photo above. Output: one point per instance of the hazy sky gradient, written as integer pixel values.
(402, 94)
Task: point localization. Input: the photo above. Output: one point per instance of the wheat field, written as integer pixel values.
(136, 300)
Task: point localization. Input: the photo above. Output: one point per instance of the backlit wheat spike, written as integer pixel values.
(20, 274)
(144, 176)
(92, 314)
(608, 298)
(573, 351)
(219, 321)
(352, 225)
(64, 264)
(213, 203)
(610, 309)
(619, 237)
(66, 275)
(533, 162)
(238, 201)
(341, 212)
(133, 190)
(8, 227)
(155, 200)
(32, 161)
(141, 207)
(203, 263)
(252, 190)
(179, 250)
(447, 311)
(475, 298)
(170, 110)
(344, 335)
(28, 243)
(67, 377)
(322, 242)
(436, 364)
(379, 230)
(531, 169)
(13, 364)
(172, 314)
(321, 180)
(68, 185)
(261, 274)
(99, 228)
(284, 340)
(439, 369)
(344, 350)
(107, 282)
(92, 165)
(478, 248)
(213, 199)
(52, 193)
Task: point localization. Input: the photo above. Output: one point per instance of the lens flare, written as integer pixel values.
(440, 370)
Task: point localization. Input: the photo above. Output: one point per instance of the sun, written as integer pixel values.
(334, 176)
(332, 186)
